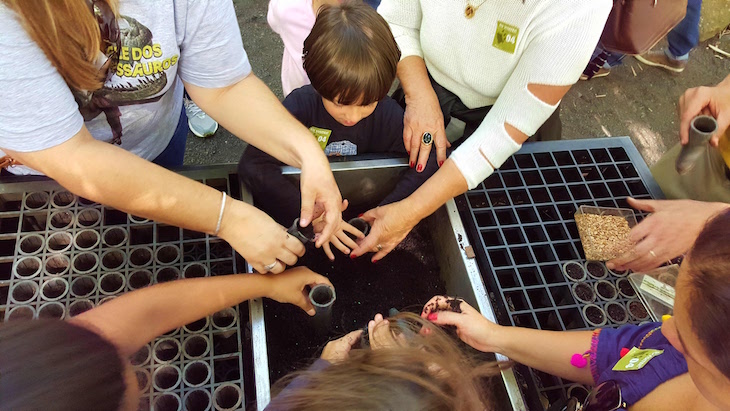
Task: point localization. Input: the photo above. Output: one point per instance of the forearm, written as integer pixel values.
(249, 110)
(109, 175)
(548, 351)
(413, 77)
(142, 315)
(445, 184)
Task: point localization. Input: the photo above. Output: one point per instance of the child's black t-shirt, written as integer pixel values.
(380, 132)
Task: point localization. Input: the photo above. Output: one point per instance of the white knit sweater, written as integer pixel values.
(540, 41)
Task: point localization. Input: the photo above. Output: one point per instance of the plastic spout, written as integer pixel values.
(700, 130)
(303, 234)
(361, 225)
(322, 297)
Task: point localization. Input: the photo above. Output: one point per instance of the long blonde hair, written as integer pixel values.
(424, 371)
(68, 34)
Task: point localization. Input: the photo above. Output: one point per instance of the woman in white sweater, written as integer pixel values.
(501, 66)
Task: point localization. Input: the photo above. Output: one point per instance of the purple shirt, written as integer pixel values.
(605, 352)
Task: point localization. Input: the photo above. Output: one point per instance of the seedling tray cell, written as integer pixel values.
(522, 246)
(61, 255)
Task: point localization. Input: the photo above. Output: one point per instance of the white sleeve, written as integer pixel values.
(555, 57)
(404, 18)
(211, 53)
(37, 109)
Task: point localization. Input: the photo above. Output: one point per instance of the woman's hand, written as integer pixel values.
(423, 114)
(258, 238)
(338, 350)
(320, 196)
(713, 101)
(290, 287)
(668, 232)
(340, 239)
(471, 326)
(390, 224)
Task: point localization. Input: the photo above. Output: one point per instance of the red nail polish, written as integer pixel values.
(360, 215)
(441, 163)
(433, 317)
(353, 256)
(411, 164)
(420, 168)
(375, 261)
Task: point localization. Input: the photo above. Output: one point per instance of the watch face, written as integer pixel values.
(427, 138)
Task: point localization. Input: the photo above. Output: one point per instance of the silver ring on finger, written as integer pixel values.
(271, 266)
(427, 139)
(653, 254)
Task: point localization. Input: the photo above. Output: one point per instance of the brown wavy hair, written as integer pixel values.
(423, 371)
(351, 56)
(709, 288)
(58, 365)
(68, 34)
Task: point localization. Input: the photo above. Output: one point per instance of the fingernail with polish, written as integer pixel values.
(433, 317)
(420, 168)
(353, 256)
(411, 164)
(441, 163)
(360, 215)
(375, 261)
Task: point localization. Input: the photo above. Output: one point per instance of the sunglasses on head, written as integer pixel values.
(110, 36)
(606, 396)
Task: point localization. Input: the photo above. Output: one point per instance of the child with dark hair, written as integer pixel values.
(82, 364)
(350, 57)
(685, 360)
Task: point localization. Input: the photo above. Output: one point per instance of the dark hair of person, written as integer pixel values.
(351, 56)
(709, 285)
(60, 366)
(417, 372)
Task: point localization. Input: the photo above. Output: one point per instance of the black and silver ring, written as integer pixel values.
(427, 139)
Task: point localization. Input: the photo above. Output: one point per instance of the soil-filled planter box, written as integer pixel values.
(430, 261)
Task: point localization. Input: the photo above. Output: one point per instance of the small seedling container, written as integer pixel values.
(574, 271)
(604, 231)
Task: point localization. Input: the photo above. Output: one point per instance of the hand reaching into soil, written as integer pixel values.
(339, 239)
(668, 232)
(390, 224)
(712, 101)
(471, 326)
(338, 350)
(289, 287)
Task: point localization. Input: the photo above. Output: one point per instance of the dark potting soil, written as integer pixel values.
(616, 313)
(637, 309)
(584, 292)
(626, 288)
(606, 290)
(574, 271)
(620, 273)
(596, 270)
(595, 315)
(405, 279)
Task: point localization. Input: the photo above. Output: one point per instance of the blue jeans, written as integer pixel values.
(174, 153)
(682, 39)
(686, 35)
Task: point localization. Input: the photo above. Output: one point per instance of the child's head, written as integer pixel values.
(58, 365)
(351, 58)
(700, 328)
(412, 370)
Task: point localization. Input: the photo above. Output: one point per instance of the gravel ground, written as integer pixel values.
(641, 105)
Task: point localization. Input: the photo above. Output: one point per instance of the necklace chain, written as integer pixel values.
(648, 335)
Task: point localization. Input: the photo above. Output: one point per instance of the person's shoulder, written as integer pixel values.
(302, 95)
(388, 105)
(12, 29)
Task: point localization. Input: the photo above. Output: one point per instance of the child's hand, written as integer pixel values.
(471, 326)
(289, 287)
(339, 239)
(338, 350)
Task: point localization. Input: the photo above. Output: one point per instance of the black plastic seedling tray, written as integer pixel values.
(521, 223)
(61, 255)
